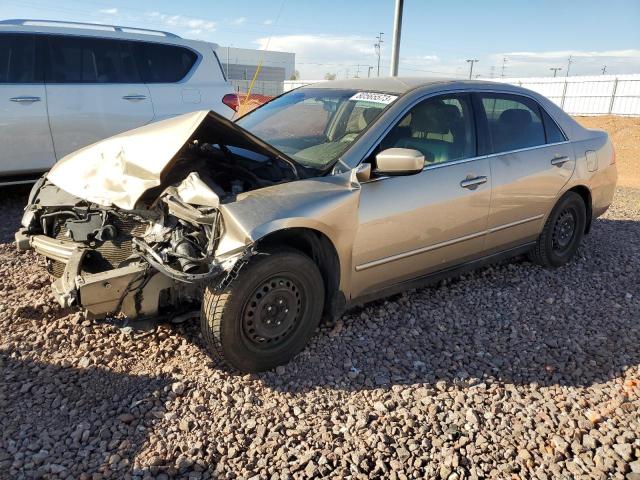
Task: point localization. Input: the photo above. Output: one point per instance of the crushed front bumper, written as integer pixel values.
(135, 289)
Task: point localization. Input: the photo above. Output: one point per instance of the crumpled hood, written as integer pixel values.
(117, 171)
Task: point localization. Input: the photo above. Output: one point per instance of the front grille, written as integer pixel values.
(105, 255)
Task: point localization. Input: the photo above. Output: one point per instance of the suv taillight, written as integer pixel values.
(231, 101)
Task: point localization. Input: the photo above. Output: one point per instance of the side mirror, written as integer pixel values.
(399, 161)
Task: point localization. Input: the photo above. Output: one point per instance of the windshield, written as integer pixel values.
(315, 126)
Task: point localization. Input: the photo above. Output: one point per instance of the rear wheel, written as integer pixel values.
(562, 232)
(268, 313)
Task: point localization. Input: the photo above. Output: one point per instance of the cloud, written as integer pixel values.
(239, 20)
(584, 62)
(268, 21)
(317, 54)
(193, 25)
(109, 11)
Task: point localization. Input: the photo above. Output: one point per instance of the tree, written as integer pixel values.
(295, 75)
(329, 76)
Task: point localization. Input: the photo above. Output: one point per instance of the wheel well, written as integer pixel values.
(320, 249)
(586, 197)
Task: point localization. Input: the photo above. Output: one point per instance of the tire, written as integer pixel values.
(562, 232)
(267, 315)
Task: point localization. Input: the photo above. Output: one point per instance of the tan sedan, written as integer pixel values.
(328, 196)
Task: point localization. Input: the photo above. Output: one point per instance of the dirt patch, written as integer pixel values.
(625, 135)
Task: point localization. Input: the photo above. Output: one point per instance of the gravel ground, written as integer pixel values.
(512, 371)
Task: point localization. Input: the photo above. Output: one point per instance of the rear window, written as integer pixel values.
(18, 60)
(90, 60)
(514, 122)
(554, 134)
(160, 63)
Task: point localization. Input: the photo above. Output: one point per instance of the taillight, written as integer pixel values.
(231, 100)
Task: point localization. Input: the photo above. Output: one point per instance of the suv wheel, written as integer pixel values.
(268, 313)
(562, 232)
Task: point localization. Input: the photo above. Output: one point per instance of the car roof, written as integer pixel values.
(92, 30)
(400, 85)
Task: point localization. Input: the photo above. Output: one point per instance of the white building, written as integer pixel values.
(240, 65)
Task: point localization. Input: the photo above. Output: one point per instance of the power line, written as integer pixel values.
(471, 62)
(378, 47)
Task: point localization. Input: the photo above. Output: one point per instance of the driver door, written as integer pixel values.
(417, 224)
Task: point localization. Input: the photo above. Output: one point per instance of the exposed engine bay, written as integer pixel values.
(173, 229)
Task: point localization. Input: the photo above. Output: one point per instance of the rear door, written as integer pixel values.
(94, 91)
(531, 161)
(25, 138)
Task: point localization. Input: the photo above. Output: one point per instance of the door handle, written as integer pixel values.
(559, 161)
(25, 99)
(473, 182)
(134, 97)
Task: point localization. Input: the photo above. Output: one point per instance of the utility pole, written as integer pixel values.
(357, 71)
(492, 71)
(369, 71)
(378, 47)
(569, 62)
(555, 70)
(604, 69)
(504, 61)
(395, 46)
(471, 62)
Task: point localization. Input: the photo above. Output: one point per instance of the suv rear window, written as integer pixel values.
(160, 63)
(76, 59)
(18, 59)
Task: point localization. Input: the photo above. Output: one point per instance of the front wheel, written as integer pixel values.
(267, 314)
(562, 232)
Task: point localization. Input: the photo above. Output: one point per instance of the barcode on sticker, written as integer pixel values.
(374, 97)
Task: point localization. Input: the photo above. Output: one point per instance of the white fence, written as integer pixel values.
(589, 95)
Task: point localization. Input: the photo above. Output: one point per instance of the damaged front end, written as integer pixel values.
(138, 234)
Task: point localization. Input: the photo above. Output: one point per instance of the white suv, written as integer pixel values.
(65, 85)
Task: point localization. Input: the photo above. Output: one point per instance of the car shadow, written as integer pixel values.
(70, 420)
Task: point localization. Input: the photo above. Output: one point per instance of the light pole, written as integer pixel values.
(555, 70)
(471, 62)
(378, 47)
(395, 46)
(504, 61)
(569, 62)
(369, 71)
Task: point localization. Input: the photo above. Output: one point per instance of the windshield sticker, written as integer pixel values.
(373, 97)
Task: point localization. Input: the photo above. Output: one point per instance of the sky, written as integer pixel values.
(338, 36)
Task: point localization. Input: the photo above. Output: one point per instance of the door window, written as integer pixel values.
(18, 59)
(441, 128)
(160, 63)
(90, 60)
(514, 122)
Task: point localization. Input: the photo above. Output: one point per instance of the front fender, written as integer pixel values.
(328, 205)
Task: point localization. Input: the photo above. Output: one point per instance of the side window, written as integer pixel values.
(514, 122)
(18, 59)
(441, 128)
(160, 63)
(90, 60)
(554, 134)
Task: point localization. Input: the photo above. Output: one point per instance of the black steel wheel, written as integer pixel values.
(267, 314)
(562, 232)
